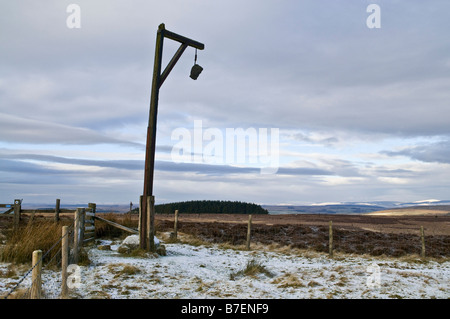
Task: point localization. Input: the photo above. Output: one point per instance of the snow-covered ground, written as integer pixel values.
(201, 272)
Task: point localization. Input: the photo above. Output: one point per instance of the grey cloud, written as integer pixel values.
(328, 141)
(433, 153)
(226, 169)
(320, 70)
(14, 166)
(303, 171)
(26, 173)
(164, 148)
(17, 129)
(328, 71)
(17, 162)
(119, 164)
(207, 169)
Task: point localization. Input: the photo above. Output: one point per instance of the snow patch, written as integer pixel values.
(200, 272)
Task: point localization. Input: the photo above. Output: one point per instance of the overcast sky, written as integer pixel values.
(363, 114)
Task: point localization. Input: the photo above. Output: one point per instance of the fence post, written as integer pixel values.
(36, 282)
(151, 223)
(64, 260)
(78, 233)
(17, 209)
(422, 239)
(175, 225)
(57, 210)
(249, 230)
(330, 243)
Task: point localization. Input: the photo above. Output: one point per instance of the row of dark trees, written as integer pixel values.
(210, 207)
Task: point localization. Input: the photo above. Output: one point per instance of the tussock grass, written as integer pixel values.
(123, 270)
(288, 281)
(38, 235)
(252, 269)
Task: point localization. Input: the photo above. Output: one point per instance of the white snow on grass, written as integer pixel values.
(200, 272)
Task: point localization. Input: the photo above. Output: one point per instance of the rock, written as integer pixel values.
(132, 243)
(104, 247)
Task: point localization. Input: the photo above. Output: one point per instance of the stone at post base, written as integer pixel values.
(132, 243)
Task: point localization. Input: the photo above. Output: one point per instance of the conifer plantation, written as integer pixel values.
(210, 207)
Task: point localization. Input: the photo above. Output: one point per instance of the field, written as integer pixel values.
(408, 223)
(360, 234)
(375, 257)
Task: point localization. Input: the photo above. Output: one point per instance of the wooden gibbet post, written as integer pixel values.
(17, 210)
(36, 281)
(57, 206)
(249, 231)
(150, 149)
(175, 226)
(150, 224)
(422, 239)
(78, 233)
(64, 261)
(330, 240)
(140, 216)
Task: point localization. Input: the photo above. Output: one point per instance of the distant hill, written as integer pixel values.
(427, 207)
(323, 209)
(210, 207)
(415, 210)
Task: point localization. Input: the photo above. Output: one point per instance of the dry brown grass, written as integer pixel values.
(38, 235)
(288, 281)
(252, 269)
(103, 229)
(313, 238)
(123, 270)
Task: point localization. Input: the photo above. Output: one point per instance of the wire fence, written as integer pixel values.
(51, 259)
(22, 288)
